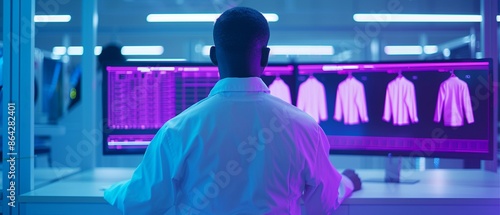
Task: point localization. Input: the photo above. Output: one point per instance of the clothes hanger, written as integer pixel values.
(349, 74)
(452, 73)
(400, 74)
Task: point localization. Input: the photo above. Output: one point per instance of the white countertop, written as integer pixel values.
(435, 187)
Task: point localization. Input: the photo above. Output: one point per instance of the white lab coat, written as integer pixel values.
(239, 151)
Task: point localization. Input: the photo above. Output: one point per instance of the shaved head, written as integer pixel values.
(240, 29)
(240, 36)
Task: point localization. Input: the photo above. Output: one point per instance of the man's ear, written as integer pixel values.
(213, 57)
(265, 56)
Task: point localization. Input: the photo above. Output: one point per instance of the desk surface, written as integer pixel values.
(87, 186)
(435, 187)
(45, 176)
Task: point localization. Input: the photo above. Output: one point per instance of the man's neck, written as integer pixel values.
(237, 76)
(238, 72)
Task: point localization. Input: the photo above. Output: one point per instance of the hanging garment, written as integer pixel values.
(312, 99)
(455, 99)
(351, 103)
(400, 102)
(281, 90)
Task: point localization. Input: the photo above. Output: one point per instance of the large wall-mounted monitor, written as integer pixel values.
(139, 98)
(421, 109)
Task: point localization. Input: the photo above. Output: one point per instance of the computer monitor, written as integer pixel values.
(75, 83)
(51, 92)
(138, 98)
(419, 109)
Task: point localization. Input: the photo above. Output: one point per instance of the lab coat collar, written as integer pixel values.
(252, 84)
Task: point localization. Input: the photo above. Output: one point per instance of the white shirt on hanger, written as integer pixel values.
(400, 102)
(350, 103)
(312, 99)
(455, 99)
(281, 90)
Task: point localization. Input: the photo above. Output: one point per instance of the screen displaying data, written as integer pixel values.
(138, 100)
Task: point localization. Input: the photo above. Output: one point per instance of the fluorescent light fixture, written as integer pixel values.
(367, 17)
(157, 59)
(301, 50)
(291, 50)
(52, 18)
(206, 50)
(97, 50)
(410, 50)
(403, 50)
(384, 17)
(142, 50)
(430, 49)
(271, 17)
(73, 50)
(59, 50)
(197, 17)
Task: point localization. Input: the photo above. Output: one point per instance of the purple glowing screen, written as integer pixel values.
(418, 108)
(429, 108)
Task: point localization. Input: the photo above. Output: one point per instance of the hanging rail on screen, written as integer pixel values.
(391, 67)
(278, 70)
(269, 70)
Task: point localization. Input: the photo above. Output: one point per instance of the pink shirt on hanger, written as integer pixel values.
(400, 102)
(455, 99)
(281, 90)
(312, 100)
(351, 103)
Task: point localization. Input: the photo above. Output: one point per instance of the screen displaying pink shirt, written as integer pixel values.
(312, 99)
(281, 90)
(455, 99)
(400, 102)
(351, 103)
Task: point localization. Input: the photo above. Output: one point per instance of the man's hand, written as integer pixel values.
(356, 181)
